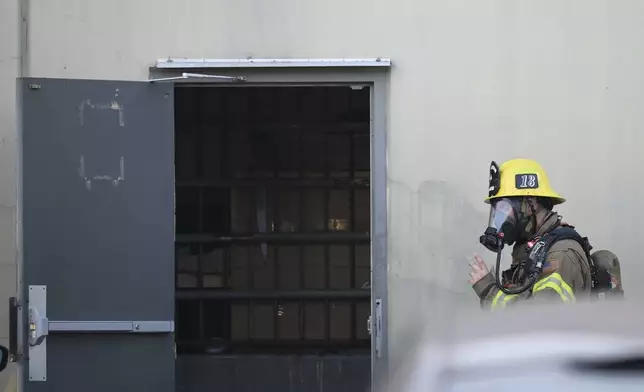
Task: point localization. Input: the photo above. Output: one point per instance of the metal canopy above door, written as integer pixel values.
(97, 216)
(198, 63)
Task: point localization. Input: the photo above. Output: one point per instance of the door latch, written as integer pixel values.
(38, 327)
(376, 328)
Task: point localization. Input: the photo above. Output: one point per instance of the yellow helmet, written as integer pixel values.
(520, 177)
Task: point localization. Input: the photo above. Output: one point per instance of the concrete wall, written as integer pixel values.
(557, 81)
(9, 70)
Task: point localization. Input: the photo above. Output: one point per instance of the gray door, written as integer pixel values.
(97, 205)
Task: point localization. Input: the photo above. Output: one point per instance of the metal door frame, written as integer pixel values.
(324, 72)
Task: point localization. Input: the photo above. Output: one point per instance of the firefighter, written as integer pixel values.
(522, 202)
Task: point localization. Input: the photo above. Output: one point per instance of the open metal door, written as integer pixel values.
(97, 217)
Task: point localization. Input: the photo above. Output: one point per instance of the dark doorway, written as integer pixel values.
(273, 237)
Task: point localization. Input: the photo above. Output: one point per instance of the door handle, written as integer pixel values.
(40, 327)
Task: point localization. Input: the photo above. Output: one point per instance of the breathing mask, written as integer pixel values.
(506, 223)
(505, 226)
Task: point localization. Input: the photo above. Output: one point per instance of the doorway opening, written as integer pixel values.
(272, 219)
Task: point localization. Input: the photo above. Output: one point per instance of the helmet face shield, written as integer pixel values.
(503, 219)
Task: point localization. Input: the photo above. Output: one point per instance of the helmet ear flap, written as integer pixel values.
(536, 204)
(526, 210)
(546, 203)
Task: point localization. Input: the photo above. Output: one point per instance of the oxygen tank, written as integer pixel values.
(609, 261)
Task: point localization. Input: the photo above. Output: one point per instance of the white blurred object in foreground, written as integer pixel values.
(586, 347)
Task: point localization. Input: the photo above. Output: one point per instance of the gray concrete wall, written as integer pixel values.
(9, 70)
(557, 81)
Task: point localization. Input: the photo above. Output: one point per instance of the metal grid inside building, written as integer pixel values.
(272, 219)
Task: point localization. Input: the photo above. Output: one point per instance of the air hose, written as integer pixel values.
(529, 281)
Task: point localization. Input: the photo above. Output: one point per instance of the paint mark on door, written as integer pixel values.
(101, 177)
(102, 145)
(113, 105)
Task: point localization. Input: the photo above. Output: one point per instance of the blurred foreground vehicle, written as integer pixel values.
(585, 347)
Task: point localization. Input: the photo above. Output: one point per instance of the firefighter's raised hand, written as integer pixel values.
(478, 270)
